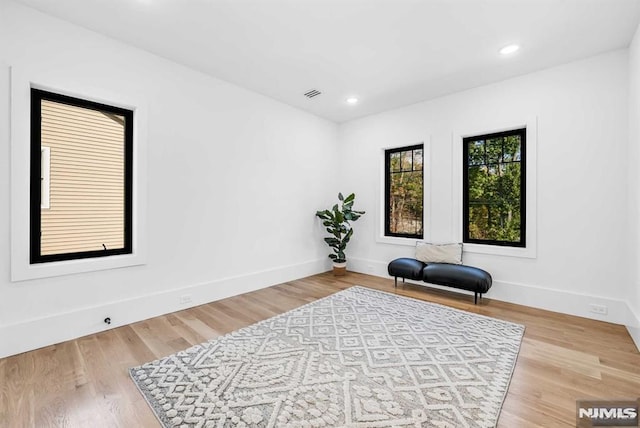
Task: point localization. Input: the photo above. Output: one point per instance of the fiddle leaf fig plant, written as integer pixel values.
(337, 221)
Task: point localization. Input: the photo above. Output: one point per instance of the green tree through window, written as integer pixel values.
(404, 191)
(494, 188)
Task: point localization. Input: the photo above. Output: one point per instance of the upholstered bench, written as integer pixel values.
(451, 275)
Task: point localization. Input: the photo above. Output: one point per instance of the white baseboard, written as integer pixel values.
(634, 327)
(37, 333)
(528, 295)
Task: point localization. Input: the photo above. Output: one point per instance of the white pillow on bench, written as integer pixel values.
(439, 253)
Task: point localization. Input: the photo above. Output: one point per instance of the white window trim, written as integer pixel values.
(426, 213)
(530, 251)
(79, 86)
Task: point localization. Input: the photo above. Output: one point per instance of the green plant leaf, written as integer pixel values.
(326, 214)
(340, 197)
(347, 237)
(332, 241)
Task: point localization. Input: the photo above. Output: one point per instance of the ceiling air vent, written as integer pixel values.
(312, 93)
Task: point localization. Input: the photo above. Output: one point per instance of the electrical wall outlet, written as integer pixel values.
(185, 299)
(598, 309)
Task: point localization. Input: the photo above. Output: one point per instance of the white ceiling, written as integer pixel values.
(388, 53)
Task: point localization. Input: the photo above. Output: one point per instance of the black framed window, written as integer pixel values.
(404, 190)
(494, 181)
(81, 178)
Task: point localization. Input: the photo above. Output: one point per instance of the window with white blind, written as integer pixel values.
(81, 178)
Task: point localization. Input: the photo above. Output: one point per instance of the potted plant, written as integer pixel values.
(338, 220)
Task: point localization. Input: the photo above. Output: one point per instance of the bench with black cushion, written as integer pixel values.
(451, 275)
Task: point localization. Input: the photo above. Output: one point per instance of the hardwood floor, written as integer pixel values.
(84, 382)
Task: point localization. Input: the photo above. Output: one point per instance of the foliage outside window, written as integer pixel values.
(81, 178)
(404, 189)
(494, 188)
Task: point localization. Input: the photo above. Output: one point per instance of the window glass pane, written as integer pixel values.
(510, 182)
(417, 160)
(476, 153)
(493, 189)
(395, 161)
(407, 160)
(86, 179)
(512, 148)
(478, 220)
(406, 203)
(477, 182)
(494, 150)
(404, 211)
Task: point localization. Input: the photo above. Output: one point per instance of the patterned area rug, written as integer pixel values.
(358, 358)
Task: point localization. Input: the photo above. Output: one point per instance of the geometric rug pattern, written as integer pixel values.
(357, 358)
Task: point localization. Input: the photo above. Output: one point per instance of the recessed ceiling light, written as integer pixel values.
(352, 100)
(509, 49)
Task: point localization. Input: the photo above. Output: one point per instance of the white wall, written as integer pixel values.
(634, 185)
(582, 134)
(234, 180)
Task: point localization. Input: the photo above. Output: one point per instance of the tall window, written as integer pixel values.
(494, 188)
(404, 189)
(81, 178)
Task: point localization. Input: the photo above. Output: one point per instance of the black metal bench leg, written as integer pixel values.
(475, 298)
(395, 282)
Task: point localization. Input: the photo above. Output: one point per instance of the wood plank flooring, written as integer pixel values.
(84, 382)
